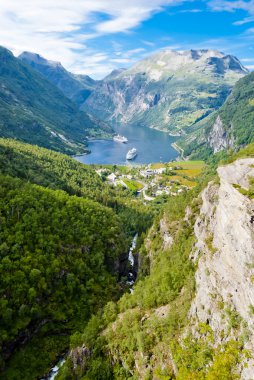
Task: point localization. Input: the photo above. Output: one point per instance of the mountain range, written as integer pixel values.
(169, 90)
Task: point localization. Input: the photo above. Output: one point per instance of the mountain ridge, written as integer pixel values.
(76, 87)
(33, 110)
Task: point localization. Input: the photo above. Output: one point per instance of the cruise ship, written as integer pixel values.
(131, 154)
(120, 138)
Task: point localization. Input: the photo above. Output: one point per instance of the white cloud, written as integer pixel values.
(249, 31)
(121, 60)
(195, 10)
(148, 43)
(60, 29)
(247, 59)
(246, 20)
(231, 6)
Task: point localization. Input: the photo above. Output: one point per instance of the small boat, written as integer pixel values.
(131, 154)
(120, 138)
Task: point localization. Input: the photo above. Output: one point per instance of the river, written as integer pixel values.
(152, 146)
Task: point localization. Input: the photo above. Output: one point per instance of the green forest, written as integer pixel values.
(64, 238)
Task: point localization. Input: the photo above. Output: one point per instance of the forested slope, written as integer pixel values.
(59, 260)
(57, 171)
(35, 111)
(64, 237)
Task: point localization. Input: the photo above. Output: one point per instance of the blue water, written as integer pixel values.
(152, 146)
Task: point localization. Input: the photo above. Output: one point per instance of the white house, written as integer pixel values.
(111, 177)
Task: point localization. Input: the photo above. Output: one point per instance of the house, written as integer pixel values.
(111, 177)
(147, 173)
(160, 170)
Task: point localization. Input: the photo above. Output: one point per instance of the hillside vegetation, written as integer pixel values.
(35, 111)
(180, 323)
(64, 240)
(59, 262)
(57, 171)
(75, 87)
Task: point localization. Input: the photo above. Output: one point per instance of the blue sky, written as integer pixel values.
(95, 36)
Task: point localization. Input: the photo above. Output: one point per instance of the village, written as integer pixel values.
(153, 180)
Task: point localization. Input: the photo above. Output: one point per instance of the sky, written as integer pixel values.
(94, 37)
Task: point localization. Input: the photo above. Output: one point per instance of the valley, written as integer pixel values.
(116, 269)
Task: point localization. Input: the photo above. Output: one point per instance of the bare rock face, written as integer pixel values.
(165, 234)
(79, 357)
(225, 247)
(218, 138)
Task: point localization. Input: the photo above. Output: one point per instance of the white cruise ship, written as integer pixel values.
(131, 154)
(120, 138)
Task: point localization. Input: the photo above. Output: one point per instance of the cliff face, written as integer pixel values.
(219, 138)
(225, 252)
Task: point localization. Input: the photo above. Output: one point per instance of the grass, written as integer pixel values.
(157, 165)
(183, 181)
(133, 185)
(191, 164)
(187, 174)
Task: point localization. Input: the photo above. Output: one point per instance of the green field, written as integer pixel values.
(133, 185)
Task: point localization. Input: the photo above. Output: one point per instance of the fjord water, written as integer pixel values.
(152, 146)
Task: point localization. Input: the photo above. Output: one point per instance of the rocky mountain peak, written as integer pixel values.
(34, 58)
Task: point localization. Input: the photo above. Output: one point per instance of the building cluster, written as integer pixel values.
(148, 177)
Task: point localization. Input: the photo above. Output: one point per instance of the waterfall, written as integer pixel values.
(131, 278)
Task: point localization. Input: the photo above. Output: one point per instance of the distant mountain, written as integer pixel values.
(114, 74)
(75, 87)
(35, 111)
(169, 90)
(230, 127)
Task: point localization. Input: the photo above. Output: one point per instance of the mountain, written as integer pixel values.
(75, 87)
(35, 111)
(169, 90)
(230, 127)
(190, 314)
(114, 74)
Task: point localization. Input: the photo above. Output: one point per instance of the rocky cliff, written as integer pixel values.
(225, 254)
(219, 138)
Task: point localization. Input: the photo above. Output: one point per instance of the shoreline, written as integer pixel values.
(179, 150)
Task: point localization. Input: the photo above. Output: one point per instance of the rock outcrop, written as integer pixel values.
(219, 138)
(225, 253)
